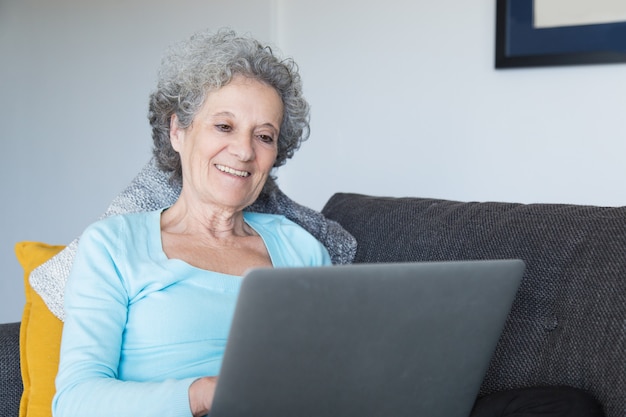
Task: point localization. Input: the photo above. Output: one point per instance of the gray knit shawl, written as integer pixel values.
(152, 190)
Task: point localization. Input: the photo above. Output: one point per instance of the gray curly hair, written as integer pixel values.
(204, 63)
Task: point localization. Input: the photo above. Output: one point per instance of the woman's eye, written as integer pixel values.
(266, 138)
(223, 128)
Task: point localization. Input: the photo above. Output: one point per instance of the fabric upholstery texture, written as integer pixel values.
(568, 322)
(40, 337)
(10, 377)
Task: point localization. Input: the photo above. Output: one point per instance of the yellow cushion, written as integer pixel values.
(40, 336)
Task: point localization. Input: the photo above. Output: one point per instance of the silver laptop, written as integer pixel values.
(384, 340)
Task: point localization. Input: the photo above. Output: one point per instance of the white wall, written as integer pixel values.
(405, 103)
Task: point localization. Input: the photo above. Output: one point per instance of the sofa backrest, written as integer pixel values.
(568, 322)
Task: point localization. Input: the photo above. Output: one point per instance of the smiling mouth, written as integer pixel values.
(232, 171)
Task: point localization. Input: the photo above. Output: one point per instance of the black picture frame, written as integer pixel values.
(520, 44)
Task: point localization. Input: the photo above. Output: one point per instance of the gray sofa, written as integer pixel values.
(568, 322)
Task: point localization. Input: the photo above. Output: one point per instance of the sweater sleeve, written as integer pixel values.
(96, 303)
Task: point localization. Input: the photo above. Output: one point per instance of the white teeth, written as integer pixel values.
(232, 171)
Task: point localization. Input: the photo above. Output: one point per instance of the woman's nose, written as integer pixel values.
(242, 147)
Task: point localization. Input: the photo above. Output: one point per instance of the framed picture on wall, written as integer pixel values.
(532, 33)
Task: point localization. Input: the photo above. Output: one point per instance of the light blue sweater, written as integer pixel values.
(140, 327)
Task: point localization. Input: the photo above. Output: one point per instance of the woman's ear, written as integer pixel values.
(176, 133)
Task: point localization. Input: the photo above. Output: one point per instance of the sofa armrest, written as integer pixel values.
(10, 376)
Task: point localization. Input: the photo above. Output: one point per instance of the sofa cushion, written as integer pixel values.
(40, 337)
(568, 322)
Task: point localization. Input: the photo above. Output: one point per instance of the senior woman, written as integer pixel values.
(150, 298)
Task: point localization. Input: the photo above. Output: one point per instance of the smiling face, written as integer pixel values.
(230, 148)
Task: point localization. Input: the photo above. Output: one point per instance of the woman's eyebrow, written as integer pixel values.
(222, 114)
(270, 125)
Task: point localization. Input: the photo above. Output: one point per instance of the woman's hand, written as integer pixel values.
(201, 393)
